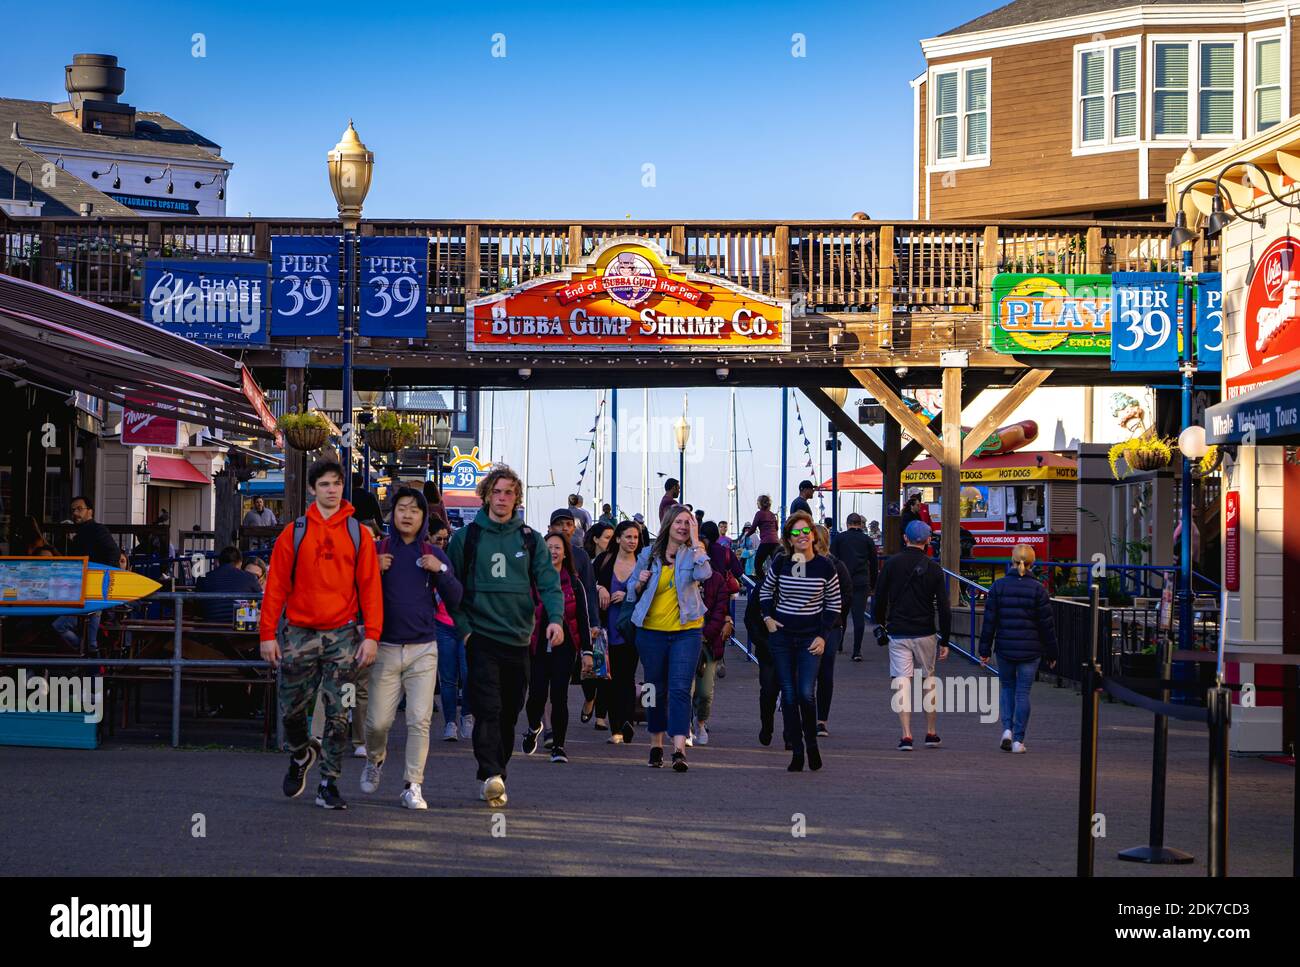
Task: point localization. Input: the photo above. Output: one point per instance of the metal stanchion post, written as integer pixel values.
(1219, 705)
(177, 658)
(1088, 749)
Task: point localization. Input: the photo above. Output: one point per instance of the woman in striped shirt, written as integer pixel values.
(800, 600)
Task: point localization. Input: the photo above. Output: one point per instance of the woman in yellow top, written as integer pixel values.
(669, 616)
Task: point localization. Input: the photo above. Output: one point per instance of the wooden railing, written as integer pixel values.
(925, 283)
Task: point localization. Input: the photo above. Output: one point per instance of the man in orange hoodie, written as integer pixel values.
(323, 571)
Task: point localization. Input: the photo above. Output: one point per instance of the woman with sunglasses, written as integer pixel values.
(800, 600)
(669, 616)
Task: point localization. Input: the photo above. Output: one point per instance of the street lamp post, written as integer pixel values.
(441, 445)
(350, 168)
(682, 430)
(837, 395)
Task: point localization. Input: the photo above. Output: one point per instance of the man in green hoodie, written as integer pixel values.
(502, 562)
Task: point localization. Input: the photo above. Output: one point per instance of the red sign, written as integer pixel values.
(1271, 322)
(253, 393)
(147, 429)
(630, 296)
(1232, 542)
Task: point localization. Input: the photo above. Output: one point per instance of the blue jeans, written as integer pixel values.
(669, 658)
(797, 668)
(1016, 678)
(453, 672)
(66, 626)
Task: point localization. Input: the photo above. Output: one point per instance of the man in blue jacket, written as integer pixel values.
(229, 576)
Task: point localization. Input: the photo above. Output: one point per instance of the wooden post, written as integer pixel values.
(472, 270)
(892, 486)
(677, 242)
(914, 423)
(1093, 252)
(988, 271)
(781, 262)
(49, 259)
(950, 482)
(885, 300)
(295, 483)
(575, 244)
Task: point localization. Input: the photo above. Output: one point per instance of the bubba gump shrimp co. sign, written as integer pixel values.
(628, 296)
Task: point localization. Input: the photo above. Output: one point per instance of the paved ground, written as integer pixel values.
(966, 809)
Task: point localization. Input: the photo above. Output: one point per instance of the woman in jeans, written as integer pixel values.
(453, 672)
(800, 599)
(669, 614)
(614, 571)
(552, 665)
(767, 527)
(1018, 620)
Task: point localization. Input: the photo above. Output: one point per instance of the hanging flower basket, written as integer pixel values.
(1209, 463)
(1141, 454)
(390, 433)
(1146, 460)
(304, 431)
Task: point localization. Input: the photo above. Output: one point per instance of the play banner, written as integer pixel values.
(1059, 315)
(628, 296)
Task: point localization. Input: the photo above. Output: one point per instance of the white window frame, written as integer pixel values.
(1110, 143)
(1193, 42)
(963, 160)
(1281, 35)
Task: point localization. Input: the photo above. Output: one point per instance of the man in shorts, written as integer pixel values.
(911, 590)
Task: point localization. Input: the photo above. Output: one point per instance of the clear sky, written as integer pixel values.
(587, 94)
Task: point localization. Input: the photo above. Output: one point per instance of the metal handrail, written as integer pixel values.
(980, 589)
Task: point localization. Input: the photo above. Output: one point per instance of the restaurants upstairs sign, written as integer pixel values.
(628, 296)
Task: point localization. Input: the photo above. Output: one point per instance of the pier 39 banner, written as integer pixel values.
(628, 296)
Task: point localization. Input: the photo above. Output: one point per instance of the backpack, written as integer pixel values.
(472, 538)
(300, 531)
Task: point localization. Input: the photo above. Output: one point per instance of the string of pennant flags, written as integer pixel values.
(591, 448)
(807, 457)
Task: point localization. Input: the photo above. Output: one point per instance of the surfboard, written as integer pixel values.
(102, 586)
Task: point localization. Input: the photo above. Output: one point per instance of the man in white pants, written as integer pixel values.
(416, 575)
(911, 590)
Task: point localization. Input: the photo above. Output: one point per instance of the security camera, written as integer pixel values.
(525, 372)
(900, 372)
(722, 372)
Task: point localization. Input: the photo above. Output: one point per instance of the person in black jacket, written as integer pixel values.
(1018, 615)
(826, 670)
(769, 683)
(93, 540)
(564, 523)
(911, 589)
(857, 550)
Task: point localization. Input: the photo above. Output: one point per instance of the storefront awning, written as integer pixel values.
(53, 339)
(1020, 467)
(176, 470)
(1272, 413)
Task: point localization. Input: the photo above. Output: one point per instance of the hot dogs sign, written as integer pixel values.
(628, 296)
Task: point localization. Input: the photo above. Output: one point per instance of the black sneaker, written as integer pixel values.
(530, 740)
(932, 741)
(295, 780)
(628, 733)
(796, 763)
(857, 656)
(905, 744)
(548, 739)
(327, 796)
(557, 754)
(814, 758)
(679, 762)
(822, 731)
(657, 757)
(765, 736)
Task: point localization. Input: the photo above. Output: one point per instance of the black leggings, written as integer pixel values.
(858, 612)
(551, 673)
(621, 688)
(596, 690)
(762, 554)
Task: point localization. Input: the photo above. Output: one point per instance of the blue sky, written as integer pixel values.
(561, 127)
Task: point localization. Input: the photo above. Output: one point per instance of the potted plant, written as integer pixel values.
(390, 433)
(304, 431)
(1142, 453)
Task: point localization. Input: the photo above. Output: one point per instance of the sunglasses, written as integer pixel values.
(800, 531)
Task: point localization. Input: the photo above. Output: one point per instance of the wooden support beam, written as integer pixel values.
(913, 423)
(575, 244)
(972, 386)
(885, 302)
(846, 424)
(1015, 396)
(780, 261)
(893, 486)
(473, 254)
(988, 272)
(950, 480)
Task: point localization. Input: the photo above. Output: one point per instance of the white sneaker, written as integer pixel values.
(690, 740)
(370, 774)
(412, 798)
(359, 752)
(702, 735)
(1018, 747)
(615, 739)
(467, 727)
(449, 733)
(493, 791)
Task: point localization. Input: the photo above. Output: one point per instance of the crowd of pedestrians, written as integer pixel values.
(497, 621)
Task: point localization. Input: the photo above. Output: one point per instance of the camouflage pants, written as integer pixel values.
(318, 661)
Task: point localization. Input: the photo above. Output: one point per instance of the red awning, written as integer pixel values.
(176, 469)
(461, 501)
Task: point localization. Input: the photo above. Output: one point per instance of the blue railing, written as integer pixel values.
(971, 590)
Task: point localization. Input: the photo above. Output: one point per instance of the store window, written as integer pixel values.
(960, 112)
(1106, 84)
(1266, 91)
(1025, 508)
(1194, 89)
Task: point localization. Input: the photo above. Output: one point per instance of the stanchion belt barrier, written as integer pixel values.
(1129, 697)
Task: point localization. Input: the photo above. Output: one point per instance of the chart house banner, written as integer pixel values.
(304, 285)
(394, 280)
(628, 296)
(1148, 314)
(1051, 315)
(211, 302)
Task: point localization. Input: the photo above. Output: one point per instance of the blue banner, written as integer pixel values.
(305, 285)
(1144, 324)
(1209, 322)
(218, 303)
(394, 280)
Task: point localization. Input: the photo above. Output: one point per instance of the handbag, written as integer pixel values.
(624, 623)
(599, 658)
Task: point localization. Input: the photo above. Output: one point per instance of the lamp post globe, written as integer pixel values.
(351, 165)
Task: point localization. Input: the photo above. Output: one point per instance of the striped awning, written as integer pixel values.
(56, 340)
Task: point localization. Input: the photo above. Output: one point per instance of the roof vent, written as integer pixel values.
(93, 77)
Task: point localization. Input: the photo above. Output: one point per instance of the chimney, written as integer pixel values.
(93, 83)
